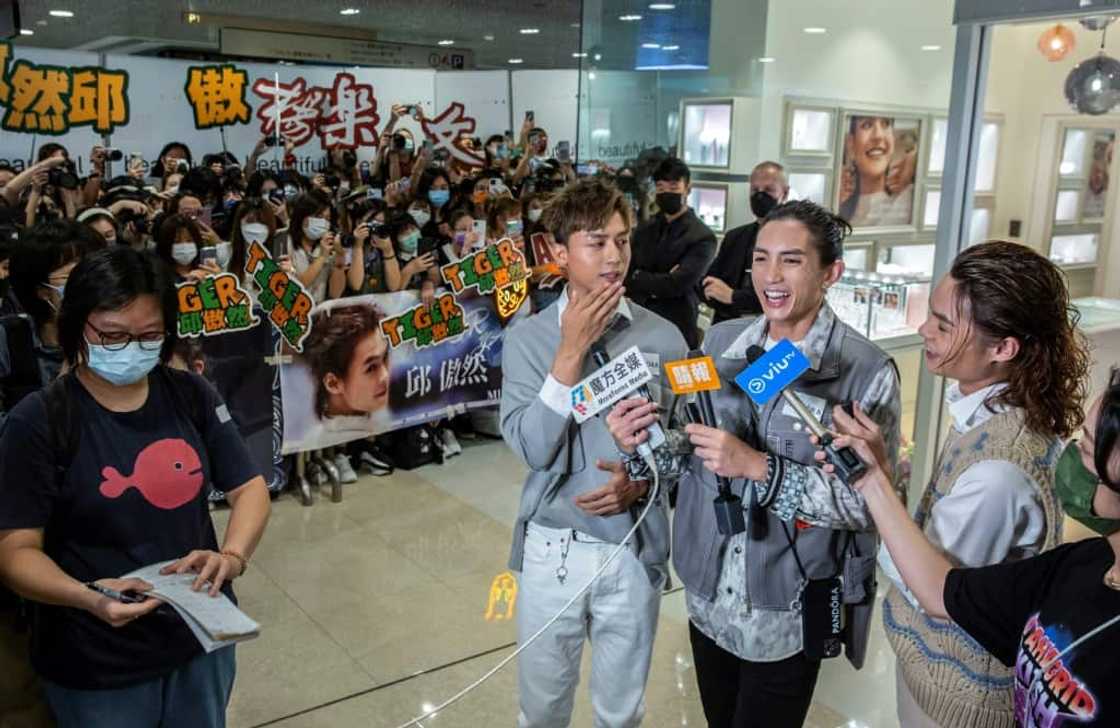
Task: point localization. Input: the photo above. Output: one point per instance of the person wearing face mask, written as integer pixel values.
(672, 251)
(40, 268)
(178, 242)
(420, 272)
(1049, 621)
(497, 154)
(1000, 327)
(434, 190)
(547, 281)
(315, 253)
(504, 221)
(727, 287)
(254, 222)
(89, 512)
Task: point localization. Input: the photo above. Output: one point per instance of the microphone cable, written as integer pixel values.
(654, 493)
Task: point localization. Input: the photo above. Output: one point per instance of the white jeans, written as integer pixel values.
(618, 615)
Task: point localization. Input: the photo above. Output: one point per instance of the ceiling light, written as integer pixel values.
(661, 6)
(62, 13)
(598, 56)
(1056, 43)
(349, 11)
(575, 25)
(651, 45)
(766, 59)
(591, 76)
(26, 31)
(515, 61)
(488, 37)
(931, 48)
(671, 48)
(815, 30)
(446, 42)
(629, 18)
(579, 55)
(530, 31)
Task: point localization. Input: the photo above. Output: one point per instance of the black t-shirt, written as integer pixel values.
(1026, 613)
(135, 494)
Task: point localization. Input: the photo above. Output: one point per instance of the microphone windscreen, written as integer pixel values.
(755, 353)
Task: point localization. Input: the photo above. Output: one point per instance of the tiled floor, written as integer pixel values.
(372, 613)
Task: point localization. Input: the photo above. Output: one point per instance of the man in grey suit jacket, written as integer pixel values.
(579, 501)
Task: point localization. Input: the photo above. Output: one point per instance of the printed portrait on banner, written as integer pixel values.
(385, 361)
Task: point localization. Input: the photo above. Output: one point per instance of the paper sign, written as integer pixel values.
(214, 305)
(491, 268)
(426, 325)
(767, 377)
(284, 298)
(509, 299)
(688, 376)
(609, 384)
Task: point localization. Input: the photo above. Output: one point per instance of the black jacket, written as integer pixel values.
(686, 244)
(732, 266)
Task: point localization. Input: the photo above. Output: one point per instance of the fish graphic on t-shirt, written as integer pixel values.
(168, 473)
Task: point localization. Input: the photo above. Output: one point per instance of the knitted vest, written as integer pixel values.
(952, 678)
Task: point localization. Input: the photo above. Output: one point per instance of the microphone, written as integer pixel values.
(656, 437)
(848, 466)
(729, 507)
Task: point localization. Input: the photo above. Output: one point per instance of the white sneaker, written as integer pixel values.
(451, 446)
(345, 472)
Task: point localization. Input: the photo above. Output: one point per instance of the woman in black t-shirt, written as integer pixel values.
(106, 472)
(1055, 617)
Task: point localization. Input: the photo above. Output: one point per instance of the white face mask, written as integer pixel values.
(254, 232)
(535, 214)
(317, 227)
(184, 253)
(225, 252)
(421, 216)
(173, 189)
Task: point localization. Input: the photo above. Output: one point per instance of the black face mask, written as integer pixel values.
(670, 202)
(762, 203)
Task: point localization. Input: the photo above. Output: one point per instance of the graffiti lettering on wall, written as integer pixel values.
(214, 305)
(217, 95)
(283, 296)
(43, 99)
(426, 325)
(344, 115)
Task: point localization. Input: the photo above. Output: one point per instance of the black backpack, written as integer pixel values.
(413, 446)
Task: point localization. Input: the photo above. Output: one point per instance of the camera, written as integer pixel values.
(381, 230)
(349, 159)
(277, 196)
(113, 154)
(346, 240)
(138, 220)
(182, 166)
(64, 176)
(332, 180)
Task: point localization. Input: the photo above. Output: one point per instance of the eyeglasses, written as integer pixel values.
(117, 340)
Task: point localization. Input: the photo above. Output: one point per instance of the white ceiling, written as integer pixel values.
(152, 25)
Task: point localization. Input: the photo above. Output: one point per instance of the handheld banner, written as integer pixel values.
(395, 372)
(214, 305)
(688, 376)
(767, 377)
(609, 384)
(283, 297)
(491, 268)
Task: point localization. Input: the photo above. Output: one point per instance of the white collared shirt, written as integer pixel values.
(554, 394)
(993, 514)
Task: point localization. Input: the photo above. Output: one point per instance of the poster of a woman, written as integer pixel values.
(878, 171)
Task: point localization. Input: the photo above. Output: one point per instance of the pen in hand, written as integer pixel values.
(123, 597)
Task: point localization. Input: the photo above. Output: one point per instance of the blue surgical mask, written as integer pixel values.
(60, 290)
(439, 198)
(122, 366)
(410, 242)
